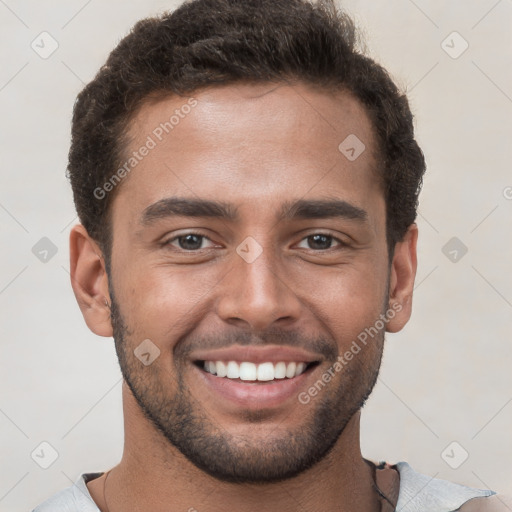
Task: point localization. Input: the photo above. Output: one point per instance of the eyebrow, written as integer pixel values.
(299, 209)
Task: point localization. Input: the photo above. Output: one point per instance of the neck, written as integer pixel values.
(153, 472)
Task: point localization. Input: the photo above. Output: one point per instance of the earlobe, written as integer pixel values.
(401, 282)
(90, 281)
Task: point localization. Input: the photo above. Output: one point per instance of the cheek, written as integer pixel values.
(163, 303)
(347, 301)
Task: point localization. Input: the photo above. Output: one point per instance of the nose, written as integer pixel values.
(258, 294)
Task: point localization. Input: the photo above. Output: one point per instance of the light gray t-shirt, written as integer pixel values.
(418, 493)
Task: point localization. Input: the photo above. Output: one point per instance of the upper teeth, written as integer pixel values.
(252, 371)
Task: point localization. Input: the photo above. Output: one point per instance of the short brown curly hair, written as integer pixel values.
(209, 42)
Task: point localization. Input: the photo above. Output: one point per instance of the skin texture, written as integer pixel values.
(256, 147)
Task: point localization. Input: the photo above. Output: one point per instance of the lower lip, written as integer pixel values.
(255, 394)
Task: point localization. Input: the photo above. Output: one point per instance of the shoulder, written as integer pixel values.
(63, 501)
(425, 493)
(75, 498)
(496, 503)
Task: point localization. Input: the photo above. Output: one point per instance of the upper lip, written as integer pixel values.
(269, 353)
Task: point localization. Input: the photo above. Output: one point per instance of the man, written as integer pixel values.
(247, 185)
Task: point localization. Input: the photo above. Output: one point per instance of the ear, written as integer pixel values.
(401, 282)
(89, 281)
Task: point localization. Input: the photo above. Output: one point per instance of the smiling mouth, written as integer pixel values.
(249, 372)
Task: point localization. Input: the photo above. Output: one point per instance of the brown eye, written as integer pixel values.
(188, 241)
(320, 241)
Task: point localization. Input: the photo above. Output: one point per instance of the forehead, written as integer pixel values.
(246, 143)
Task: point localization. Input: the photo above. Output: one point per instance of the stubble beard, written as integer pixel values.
(282, 454)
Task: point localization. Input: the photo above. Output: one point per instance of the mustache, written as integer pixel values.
(328, 348)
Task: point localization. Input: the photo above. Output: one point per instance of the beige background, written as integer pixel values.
(445, 378)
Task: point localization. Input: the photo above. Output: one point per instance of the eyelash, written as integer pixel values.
(200, 235)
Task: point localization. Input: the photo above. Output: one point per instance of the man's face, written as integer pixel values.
(279, 280)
